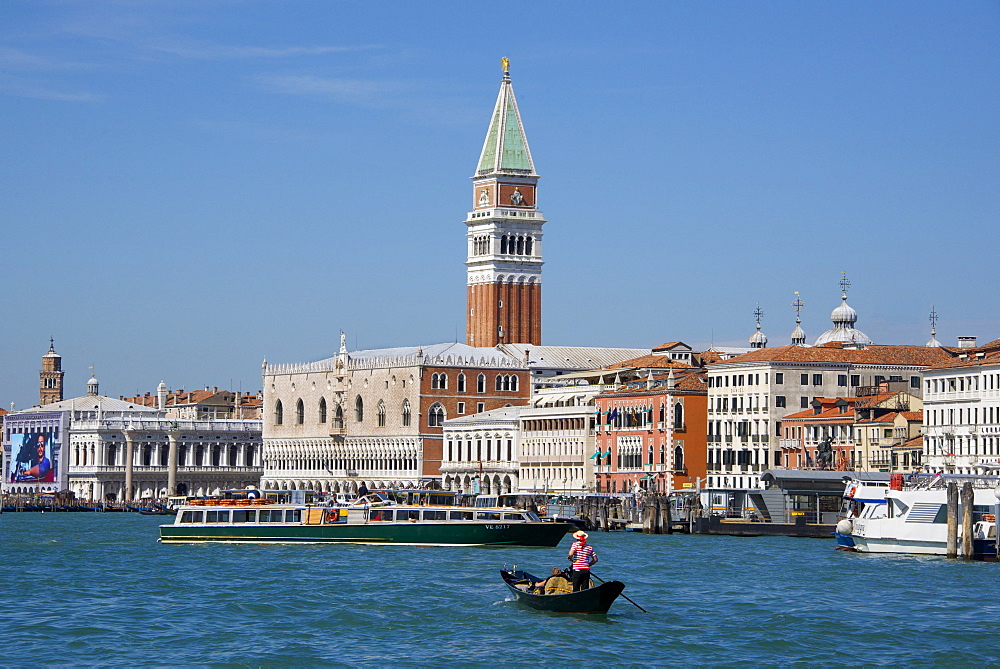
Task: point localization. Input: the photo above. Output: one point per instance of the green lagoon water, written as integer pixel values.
(98, 590)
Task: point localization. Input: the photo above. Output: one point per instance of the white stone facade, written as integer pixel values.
(962, 416)
(376, 416)
(480, 452)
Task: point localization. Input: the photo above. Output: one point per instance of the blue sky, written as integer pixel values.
(188, 187)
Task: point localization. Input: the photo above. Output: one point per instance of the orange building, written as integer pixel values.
(651, 432)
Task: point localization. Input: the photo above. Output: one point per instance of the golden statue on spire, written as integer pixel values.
(505, 65)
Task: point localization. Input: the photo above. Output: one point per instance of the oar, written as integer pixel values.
(622, 594)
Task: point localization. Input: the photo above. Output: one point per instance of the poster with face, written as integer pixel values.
(31, 458)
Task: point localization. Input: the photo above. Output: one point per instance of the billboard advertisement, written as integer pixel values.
(31, 458)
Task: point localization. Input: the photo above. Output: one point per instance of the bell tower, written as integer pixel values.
(504, 231)
(50, 379)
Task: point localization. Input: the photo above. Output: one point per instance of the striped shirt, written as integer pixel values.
(581, 556)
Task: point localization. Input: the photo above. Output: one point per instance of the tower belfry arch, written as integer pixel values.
(504, 232)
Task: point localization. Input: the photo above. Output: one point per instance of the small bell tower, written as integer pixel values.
(50, 379)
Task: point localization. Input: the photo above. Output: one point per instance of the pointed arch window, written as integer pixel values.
(481, 383)
(435, 417)
(678, 416)
(338, 417)
(279, 413)
(359, 409)
(461, 382)
(381, 413)
(678, 459)
(300, 412)
(322, 409)
(407, 416)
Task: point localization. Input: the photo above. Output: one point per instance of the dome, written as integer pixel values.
(92, 382)
(798, 335)
(758, 339)
(844, 314)
(844, 317)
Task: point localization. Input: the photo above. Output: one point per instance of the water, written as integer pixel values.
(97, 589)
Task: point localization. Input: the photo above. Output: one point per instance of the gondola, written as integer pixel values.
(597, 599)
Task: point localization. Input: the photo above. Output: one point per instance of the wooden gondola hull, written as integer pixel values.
(593, 600)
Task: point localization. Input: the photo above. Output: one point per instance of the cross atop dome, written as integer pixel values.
(798, 334)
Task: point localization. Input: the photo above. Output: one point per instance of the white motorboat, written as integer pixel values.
(914, 518)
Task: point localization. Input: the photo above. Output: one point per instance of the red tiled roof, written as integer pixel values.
(989, 358)
(871, 355)
(651, 362)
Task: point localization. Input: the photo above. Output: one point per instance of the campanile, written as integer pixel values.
(504, 231)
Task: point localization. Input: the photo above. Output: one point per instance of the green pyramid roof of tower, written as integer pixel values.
(505, 138)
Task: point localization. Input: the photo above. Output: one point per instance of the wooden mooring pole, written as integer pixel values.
(952, 546)
(967, 508)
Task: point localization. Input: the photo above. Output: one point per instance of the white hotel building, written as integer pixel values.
(962, 412)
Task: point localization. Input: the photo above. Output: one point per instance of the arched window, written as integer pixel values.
(527, 246)
(499, 383)
(279, 413)
(435, 416)
(381, 413)
(443, 381)
(322, 409)
(461, 383)
(434, 381)
(406, 413)
(300, 412)
(338, 417)
(678, 416)
(503, 244)
(481, 383)
(359, 409)
(513, 382)
(678, 459)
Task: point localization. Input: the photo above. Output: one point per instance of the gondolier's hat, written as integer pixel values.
(580, 534)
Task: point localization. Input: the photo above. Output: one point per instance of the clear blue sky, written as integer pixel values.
(188, 187)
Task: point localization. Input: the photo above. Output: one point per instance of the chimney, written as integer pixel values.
(967, 342)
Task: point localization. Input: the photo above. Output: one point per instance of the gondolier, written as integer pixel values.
(583, 556)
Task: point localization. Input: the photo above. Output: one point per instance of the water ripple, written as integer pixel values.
(96, 589)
